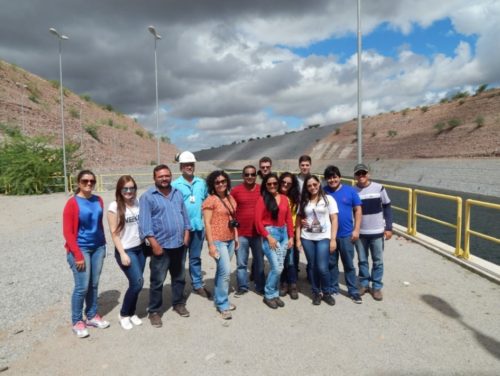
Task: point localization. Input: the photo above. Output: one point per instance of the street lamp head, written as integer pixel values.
(152, 30)
(60, 36)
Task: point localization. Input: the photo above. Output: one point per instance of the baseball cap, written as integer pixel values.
(360, 167)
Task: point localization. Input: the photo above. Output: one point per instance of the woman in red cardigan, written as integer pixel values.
(86, 248)
(273, 220)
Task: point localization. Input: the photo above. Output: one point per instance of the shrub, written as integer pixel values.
(479, 121)
(74, 113)
(461, 102)
(439, 127)
(166, 139)
(424, 108)
(32, 166)
(86, 97)
(405, 111)
(33, 98)
(151, 135)
(140, 133)
(92, 131)
(481, 88)
(110, 122)
(392, 133)
(108, 107)
(374, 134)
(460, 94)
(54, 83)
(453, 123)
(444, 100)
(337, 131)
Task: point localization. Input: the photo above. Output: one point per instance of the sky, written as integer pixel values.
(229, 70)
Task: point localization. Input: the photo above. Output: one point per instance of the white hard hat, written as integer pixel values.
(187, 157)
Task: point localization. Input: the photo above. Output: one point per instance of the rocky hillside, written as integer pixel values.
(464, 127)
(109, 140)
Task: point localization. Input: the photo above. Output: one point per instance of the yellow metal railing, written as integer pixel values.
(408, 209)
(468, 232)
(457, 226)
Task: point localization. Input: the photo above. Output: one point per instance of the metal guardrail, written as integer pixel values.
(469, 203)
(457, 226)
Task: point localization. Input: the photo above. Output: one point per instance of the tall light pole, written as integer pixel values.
(152, 30)
(60, 38)
(360, 124)
(22, 86)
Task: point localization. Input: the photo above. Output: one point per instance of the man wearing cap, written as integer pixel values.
(194, 192)
(376, 225)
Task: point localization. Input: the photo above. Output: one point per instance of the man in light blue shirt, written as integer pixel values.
(164, 224)
(194, 192)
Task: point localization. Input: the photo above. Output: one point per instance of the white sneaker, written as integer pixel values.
(136, 320)
(125, 322)
(98, 322)
(80, 329)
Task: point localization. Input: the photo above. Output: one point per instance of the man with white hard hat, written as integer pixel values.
(194, 192)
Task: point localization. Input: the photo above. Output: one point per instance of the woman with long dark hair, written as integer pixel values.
(123, 219)
(222, 236)
(289, 186)
(273, 220)
(316, 233)
(86, 249)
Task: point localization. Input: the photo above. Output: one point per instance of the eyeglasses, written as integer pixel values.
(128, 189)
(265, 167)
(287, 183)
(87, 181)
(272, 184)
(361, 173)
(250, 175)
(220, 182)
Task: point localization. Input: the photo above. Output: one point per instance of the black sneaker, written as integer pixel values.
(329, 299)
(356, 299)
(240, 293)
(279, 302)
(316, 299)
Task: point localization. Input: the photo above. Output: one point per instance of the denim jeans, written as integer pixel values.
(289, 274)
(318, 256)
(276, 258)
(171, 260)
(255, 243)
(86, 283)
(345, 248)
(375, 246)
(196, 239)
(134, 273)
(223, 273)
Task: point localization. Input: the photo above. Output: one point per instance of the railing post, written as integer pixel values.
(466, 252)
(458, 238)
(414, 213)
(409, 225)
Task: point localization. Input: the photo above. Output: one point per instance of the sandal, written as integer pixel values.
(226, 315)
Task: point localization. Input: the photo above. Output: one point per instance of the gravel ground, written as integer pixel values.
(436, 318)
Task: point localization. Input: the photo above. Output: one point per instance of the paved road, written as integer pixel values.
(436, 318)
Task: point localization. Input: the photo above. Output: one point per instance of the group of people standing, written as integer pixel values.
(278, 219)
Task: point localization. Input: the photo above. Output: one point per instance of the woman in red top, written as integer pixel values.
(273, 220)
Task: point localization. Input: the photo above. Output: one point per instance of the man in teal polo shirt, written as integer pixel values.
(194, 192)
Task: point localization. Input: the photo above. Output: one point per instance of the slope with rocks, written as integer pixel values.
(108, 140)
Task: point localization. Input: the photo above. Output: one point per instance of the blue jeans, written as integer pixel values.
(345, 248)
(86, 283)
(375, 246)
(134, 273)
(196, 239)
(275, 258)
(171, 260)
(223, 273)
(318, 256)
(289, 274)
(255, 243)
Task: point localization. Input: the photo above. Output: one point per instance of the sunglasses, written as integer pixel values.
(272, 184)
(87, 181)
(361, 173)
(250, 175)
(220, 182)
(128, 189)
(287, 183)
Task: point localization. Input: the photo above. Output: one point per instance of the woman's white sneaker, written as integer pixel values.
(98, 322)
(136, 320)
(125, 322)
(80, 329)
